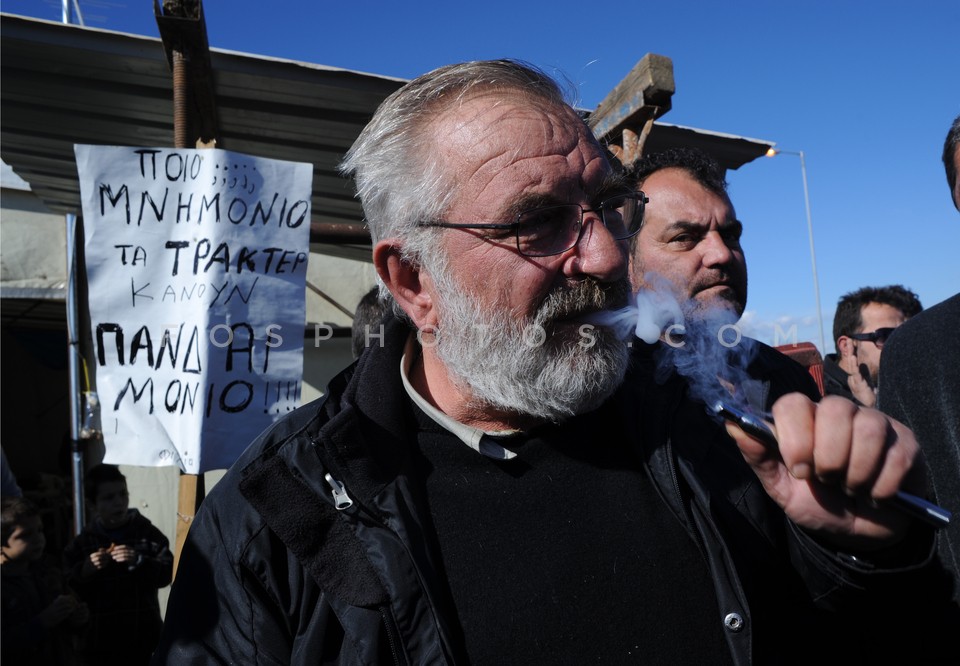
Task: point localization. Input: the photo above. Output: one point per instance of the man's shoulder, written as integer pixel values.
(767, 356)
(290, 438)
(784, 374)
(924, 349)
(761, 362)
(939, 322)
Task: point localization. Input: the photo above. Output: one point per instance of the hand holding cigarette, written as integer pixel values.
(837, 469)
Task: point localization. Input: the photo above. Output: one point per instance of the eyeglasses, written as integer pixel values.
(551, 230)
(877, 337)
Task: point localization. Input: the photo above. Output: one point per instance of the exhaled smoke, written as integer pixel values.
(705, 346)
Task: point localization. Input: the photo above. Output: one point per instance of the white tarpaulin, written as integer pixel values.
(196, 263)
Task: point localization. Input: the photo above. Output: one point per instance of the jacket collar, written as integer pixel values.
(368, 416)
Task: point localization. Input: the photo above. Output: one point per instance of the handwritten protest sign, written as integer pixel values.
(196, 266)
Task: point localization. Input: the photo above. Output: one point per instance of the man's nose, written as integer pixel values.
(716, 251)
(597, 253)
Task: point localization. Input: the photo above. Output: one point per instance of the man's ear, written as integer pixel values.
(847, 352)
(845, 346)
(411, 288)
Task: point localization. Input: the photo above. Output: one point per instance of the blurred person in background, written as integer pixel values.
(863, 322)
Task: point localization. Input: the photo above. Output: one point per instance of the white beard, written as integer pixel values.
(532, 367)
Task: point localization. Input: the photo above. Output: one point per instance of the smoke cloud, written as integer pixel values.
(704, 346)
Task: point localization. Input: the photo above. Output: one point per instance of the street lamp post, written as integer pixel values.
(813, 255)
(68, 8)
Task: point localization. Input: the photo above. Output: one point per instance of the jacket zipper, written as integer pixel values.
(341, 499)
(392, 635)
(342, 502)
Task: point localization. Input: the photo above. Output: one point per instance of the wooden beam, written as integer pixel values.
(644, 94)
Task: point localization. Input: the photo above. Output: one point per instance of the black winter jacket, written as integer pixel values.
(313, 548)
(835, 379)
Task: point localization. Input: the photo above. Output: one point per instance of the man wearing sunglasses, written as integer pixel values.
(864, 320)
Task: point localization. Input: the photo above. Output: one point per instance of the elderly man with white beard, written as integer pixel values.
(496, 485)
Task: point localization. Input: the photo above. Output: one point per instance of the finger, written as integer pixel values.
(855, 383)
(756, 452)
(833, 436)
(764, 458)
(901, 468)
(794, 414)
(872, 435)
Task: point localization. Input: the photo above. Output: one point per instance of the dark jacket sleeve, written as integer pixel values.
(155, 561)
(241, 597)
(780, 375)
(216, 610)
(74, 555)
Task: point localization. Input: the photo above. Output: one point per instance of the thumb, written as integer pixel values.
(763, 456)
(759, 449)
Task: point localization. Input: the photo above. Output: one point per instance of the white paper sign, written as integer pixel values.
(196, 263)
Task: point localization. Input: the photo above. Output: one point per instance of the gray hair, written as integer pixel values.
(400, 180)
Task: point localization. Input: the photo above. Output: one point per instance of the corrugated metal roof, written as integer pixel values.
(65, 84)
(731, 151)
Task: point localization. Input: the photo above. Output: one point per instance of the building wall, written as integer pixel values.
(32, 242)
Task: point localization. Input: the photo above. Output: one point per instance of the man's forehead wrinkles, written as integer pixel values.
(543, 174)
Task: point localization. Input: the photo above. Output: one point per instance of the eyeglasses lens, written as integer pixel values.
(622, 215)
(542, 232)
(881, 335)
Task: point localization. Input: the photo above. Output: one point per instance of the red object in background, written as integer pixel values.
(807, 355)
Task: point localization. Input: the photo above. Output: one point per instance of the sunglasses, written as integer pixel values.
(877, 337)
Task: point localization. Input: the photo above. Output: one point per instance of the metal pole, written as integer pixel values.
(813, 253)
(68, 8)
(73, 339)
(76, 7)
(73, 351)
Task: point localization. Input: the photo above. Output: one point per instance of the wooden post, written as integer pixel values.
(189, 496)
(184, 35)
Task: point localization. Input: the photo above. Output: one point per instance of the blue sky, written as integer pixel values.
(866, 89)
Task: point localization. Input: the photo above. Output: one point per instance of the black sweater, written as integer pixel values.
(552, 538)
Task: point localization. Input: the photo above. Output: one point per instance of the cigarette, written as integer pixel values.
(755, 426)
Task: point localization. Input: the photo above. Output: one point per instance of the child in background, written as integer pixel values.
(117, 564)
(38, 618)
